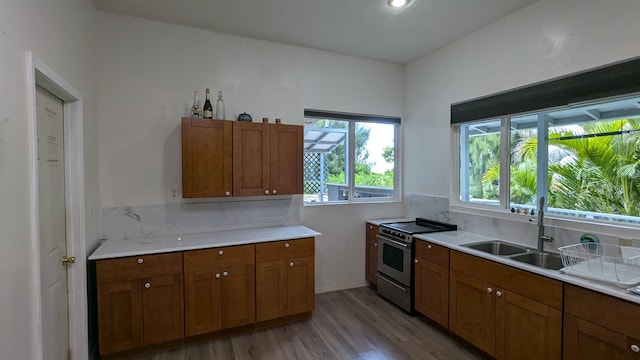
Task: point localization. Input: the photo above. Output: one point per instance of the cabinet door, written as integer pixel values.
(163, 309)
(271, 290)
(526, 329)
(238, 295)
(432, 291)
(202, 302)
(251, 159)
(473, 310)
(300, 285)
(286, 159)
(372, 254)
(584, 340)
(207, 155)
(120, 316)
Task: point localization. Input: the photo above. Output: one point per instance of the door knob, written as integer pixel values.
(68, 260)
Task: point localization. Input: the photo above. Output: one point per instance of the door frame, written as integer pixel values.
(38, 73)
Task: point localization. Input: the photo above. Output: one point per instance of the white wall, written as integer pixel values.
(147, 72)
(60, 33)
(548, 39)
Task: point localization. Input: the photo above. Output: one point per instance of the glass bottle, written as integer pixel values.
(207, 109)
(195, 108)
(220, 107)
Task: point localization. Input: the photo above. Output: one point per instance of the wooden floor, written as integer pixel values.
(348, 324)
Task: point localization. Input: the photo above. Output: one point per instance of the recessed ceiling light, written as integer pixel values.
(397, 3)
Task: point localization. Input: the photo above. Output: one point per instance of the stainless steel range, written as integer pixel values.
(395, 258)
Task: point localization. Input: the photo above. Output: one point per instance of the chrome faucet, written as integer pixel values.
(542, 238)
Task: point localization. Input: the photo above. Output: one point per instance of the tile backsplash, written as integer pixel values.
(185, 218)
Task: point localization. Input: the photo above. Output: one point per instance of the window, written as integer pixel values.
(585, 159)
(349, 157)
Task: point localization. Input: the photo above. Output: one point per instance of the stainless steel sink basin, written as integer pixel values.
(544, 260)
(497, 247)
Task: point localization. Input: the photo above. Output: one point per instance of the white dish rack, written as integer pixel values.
(603, 262)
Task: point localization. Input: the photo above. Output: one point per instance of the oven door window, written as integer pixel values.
(393, 257)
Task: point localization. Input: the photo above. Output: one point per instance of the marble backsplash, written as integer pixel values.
(189, 218)
(518, 230)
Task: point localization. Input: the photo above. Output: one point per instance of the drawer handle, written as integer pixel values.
(140, 261)
(217, 276)
(489, 290)
(290, 264)
(429, 247)
(635, 348)
(147, 285)
(498, 293)
(220, 252)
(225, 274)
(286, 245)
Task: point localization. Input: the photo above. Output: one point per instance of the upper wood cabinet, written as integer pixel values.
(140, 301)
(508, 313)
(207, 157)
(267, 159)
(371, 261)
(432, 282)
(598, 326)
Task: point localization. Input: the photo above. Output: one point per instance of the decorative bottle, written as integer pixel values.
(207, 109)
(195, 108)
(220, 107)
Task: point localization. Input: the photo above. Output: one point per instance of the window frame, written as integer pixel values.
(352, 119)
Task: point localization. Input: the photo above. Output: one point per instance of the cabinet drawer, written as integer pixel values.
(138, 267)
(607, 311)
(432, 252)
(208, 259)
(285, 249)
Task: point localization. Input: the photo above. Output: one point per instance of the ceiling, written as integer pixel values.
(364, 28)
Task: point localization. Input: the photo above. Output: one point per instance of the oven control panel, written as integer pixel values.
(393, 233)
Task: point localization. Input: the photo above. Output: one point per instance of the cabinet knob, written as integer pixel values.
(217, 276)
(290, 264)
(140, 261)
(489, 290)
(286, 245)
(220, 252)
(375, 244)
(429, 247)
(228, 193)
(147, 285)
(415, 261)
(273, 191)
(370, 227)
(225, 274)
(266, 192)
(498, 293)
(635, 348)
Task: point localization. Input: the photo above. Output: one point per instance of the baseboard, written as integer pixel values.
(340, 287)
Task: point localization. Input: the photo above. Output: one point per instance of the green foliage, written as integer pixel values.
(484, 155)
(388, 154)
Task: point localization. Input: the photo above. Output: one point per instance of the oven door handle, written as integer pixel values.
(392, 283)
(406, 246)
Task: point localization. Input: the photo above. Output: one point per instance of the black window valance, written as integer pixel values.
(612, 80)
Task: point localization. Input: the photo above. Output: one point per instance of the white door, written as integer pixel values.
(52, 225)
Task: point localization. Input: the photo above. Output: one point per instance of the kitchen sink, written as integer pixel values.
(541, 259)
(497, 247)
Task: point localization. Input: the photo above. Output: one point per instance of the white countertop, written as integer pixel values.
(170, 243)
(456, 239)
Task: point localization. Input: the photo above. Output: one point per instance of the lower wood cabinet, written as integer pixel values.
(371, 261)
(285, 281)
(219, 288)
(598, 326)
(432, 282)
(140, 301)
(506, 312)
